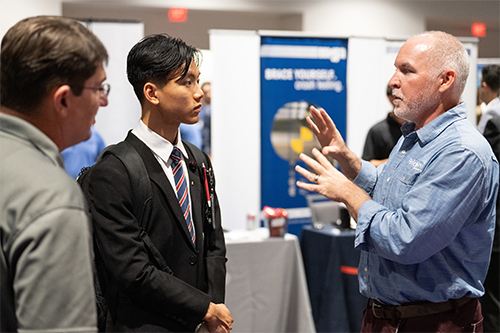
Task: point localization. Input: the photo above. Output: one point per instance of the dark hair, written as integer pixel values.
(44, 52)
(491, 76)
(156, 58)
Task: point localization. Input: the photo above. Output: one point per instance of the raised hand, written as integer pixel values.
(328, 181)
(325, 130)
(332, 142)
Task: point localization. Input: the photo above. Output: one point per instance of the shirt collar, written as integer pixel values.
(26, 131)
(430, 131)
(492, 102)
(158, 144)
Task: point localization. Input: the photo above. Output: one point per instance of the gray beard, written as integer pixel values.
(412, 109)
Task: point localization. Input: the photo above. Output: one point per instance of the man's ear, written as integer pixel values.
(486, 88)
(447, 78)
(60, 100)
(150, 93)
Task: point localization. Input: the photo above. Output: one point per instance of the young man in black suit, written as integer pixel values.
(490, 302)
(188, 234)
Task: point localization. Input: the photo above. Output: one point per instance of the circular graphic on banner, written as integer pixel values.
(291, 136)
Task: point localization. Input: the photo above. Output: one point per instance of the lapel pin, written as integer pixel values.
(193, 165)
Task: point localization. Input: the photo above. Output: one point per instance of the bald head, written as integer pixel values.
(445, 52)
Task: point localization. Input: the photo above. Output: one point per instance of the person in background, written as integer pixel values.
(206, 111)
(490, 302)
(83, 154)
(199, 134)
(488, 93)
(383, 136)
(52, 74)
(192, 134)
(195, 133)
(425, 219)
(182, 226)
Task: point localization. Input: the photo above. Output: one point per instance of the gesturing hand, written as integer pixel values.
(325, 130)
(327, 180)
(332, 142)
(331, 183)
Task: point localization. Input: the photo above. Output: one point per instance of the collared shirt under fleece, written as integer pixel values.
(428, 230)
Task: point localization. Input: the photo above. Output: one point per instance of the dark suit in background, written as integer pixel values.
(140, 296)
(491, 300)
(381, 138)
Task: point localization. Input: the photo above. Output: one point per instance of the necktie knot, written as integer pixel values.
(176, 154)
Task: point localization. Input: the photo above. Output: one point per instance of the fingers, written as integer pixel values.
(317, 122)
(320, 157)
(320, 165)
(312, 125)
(312, 187)
(307, 174)
(315, 165)
(218, 318)
(320, 168)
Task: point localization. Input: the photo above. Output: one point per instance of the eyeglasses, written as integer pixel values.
(104, 89)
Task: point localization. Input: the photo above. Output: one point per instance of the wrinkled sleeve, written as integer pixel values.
(445, 197)
(367, 176)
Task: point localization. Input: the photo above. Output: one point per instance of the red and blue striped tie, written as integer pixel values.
(182, 190)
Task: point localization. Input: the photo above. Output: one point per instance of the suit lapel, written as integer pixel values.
(195, 188)
(157, 175)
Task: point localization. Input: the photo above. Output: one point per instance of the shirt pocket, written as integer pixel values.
(409, 177)
(402, 184)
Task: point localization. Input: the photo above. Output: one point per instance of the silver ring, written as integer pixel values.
(316, 178)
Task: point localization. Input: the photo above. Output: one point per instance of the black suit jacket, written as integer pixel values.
(492, 134)
(489, 302)
(141, 297)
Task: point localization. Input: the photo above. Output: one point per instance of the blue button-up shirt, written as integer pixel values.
(427, 233)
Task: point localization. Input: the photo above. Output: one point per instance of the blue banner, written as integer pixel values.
(296, 72)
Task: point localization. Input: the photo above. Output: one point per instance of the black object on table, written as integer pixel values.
(331, 263)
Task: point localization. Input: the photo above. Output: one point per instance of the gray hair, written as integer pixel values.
(447, 52)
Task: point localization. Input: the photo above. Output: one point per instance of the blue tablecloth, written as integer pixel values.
(330, 263)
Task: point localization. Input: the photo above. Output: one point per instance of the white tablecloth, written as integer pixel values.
(266, 285)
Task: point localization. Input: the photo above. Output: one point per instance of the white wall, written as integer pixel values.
(368, 72)
(236, 123)
(207, 67)
(363, 18)
(123, 110)
(13, 11)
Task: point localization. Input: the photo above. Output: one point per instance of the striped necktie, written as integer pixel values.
(182, 190)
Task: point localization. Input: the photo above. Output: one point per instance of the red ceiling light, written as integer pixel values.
(478, 29)
(177, 14)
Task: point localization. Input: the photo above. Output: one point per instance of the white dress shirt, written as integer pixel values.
(162, 150)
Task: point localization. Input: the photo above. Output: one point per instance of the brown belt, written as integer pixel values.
(385, 311)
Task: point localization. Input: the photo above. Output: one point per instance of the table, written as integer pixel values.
(331, 262)
(266, 288)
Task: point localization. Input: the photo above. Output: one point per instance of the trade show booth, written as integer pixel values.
(262, 86)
